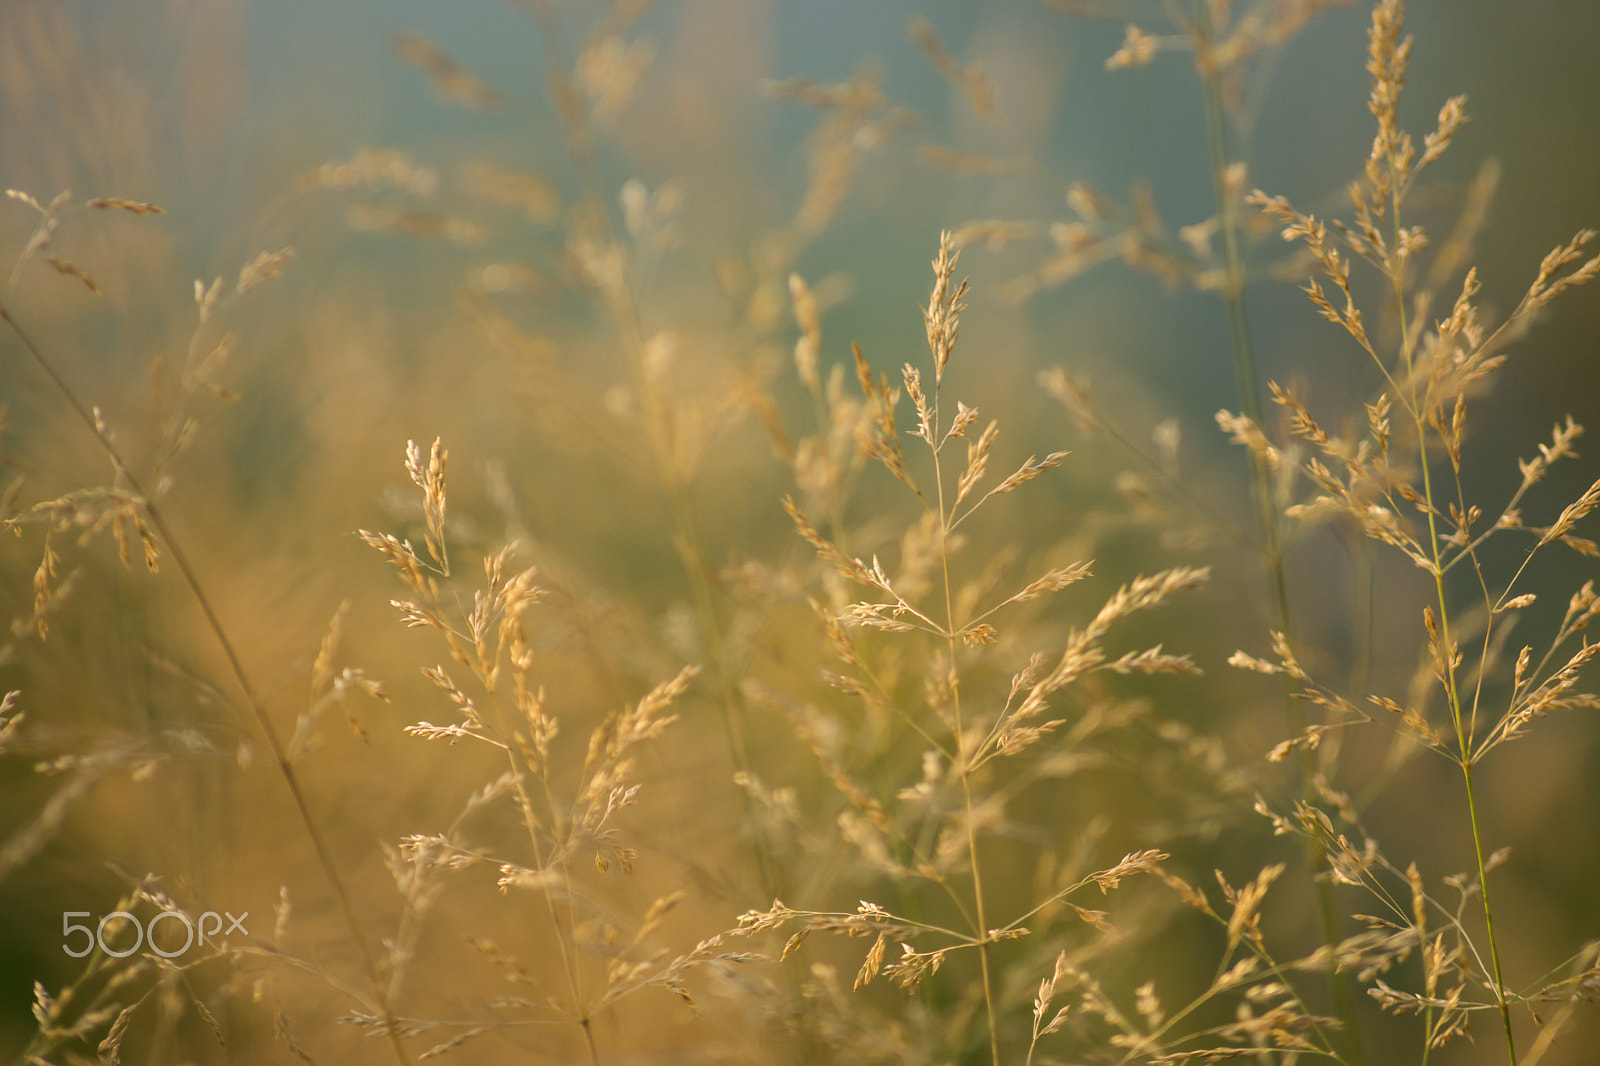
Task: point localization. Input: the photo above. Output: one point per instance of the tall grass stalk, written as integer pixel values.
(1248, 384)
(258, 713)
(1463, 731)
(943, 321)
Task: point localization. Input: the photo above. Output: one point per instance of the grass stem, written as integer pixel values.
(269, 732)
(1249, 388)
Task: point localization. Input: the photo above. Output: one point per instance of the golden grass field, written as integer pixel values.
(748, 532)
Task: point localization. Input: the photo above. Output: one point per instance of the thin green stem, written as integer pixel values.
(1249, 388)
(1244, 365)
(1488, 916)
(963, 755)
(983, 934)
(1464, 737)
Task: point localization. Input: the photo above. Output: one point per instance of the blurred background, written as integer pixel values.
(450, 226)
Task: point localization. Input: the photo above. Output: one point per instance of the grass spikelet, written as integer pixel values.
(117, 203)
(451, 81)
(263, 267)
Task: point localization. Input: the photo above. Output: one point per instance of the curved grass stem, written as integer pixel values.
(258, 713)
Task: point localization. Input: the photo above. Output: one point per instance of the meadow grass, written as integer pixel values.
(749, 695)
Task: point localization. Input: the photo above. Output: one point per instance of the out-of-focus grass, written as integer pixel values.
(594, 311)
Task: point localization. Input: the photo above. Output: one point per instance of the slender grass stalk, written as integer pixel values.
(1467, 760)
(1248, 384)
(624, 308)
(1244, 365)
(258, 712)
(963, 756)
(565, 933)
(1488, 915)
(1464, 737)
